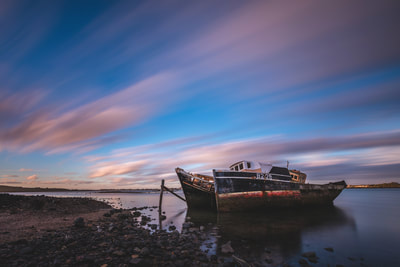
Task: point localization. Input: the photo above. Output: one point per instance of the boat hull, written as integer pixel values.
(246, 191)
(196, 196)
(241, 194)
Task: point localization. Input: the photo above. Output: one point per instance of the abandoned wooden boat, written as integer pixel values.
(252, 185)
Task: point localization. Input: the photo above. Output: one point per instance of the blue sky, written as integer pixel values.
(116, 94)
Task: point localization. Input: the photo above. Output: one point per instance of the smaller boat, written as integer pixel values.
(250, 185)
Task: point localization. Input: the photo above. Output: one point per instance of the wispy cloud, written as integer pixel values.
(9, 181)
(125, 63)
(32, 177)
(25, 170)
(152, 163)
(78, 129)
(116, 168)
(9, 175)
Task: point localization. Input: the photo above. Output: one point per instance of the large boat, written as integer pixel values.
(250, 185)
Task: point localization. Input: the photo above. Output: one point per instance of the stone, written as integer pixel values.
(135, 261)
(303, 262)
(123, 216)
(119, 253)
(268, 260)
(309, 254)
(26, 250)
(313, 259)
(79, 222)
(186, 225)
(136, 214)
(144, 251)
(227, 248)
(329, 249)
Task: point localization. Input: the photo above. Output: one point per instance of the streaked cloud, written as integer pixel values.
(9, 175)
(152, 163)
(55, 131)
(114, 168)
(32, 177)
(9, 181)
(156, 85)
(25, 170)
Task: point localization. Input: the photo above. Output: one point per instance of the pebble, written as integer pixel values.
(26, 250)
(227, 248)
(310, 254)
(79, 222)
(303, 263)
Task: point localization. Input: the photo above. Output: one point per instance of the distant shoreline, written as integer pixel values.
(16, 189)
(369, 186)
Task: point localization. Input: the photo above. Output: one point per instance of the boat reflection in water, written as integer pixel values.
(276, 235)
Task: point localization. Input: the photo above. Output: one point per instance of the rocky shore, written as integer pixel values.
(115, 238)
(27, 217)
(48, 231)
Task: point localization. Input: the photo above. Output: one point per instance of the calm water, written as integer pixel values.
(363, 228)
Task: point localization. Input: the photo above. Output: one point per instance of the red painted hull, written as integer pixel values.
(227, 194)
(272, 194)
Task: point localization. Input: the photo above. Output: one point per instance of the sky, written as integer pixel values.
(117, 94)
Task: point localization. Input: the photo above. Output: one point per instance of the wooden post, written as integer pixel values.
(161, 195)
(160, 204)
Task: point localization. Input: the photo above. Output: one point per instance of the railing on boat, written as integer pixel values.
(202, 182)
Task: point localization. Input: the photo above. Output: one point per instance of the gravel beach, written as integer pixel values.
(47, 231)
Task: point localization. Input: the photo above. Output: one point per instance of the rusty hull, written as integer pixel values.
(226, 194)
(242, 194)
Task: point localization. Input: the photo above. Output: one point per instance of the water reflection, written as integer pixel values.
(277, 233)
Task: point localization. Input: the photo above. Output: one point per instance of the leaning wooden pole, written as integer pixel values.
(172, 192)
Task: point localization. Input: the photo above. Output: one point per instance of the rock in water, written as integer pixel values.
(310, 254)
(227, 248)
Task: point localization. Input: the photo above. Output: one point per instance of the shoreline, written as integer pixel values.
(86, 232)
(78, 231)
(27, 217)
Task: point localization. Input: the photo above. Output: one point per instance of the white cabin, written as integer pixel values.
(251, 166)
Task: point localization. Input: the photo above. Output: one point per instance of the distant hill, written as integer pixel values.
(384, 185)
(4, 188)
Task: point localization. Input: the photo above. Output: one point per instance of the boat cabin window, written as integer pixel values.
(241, 166)
(236, 168)
(248, 165)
